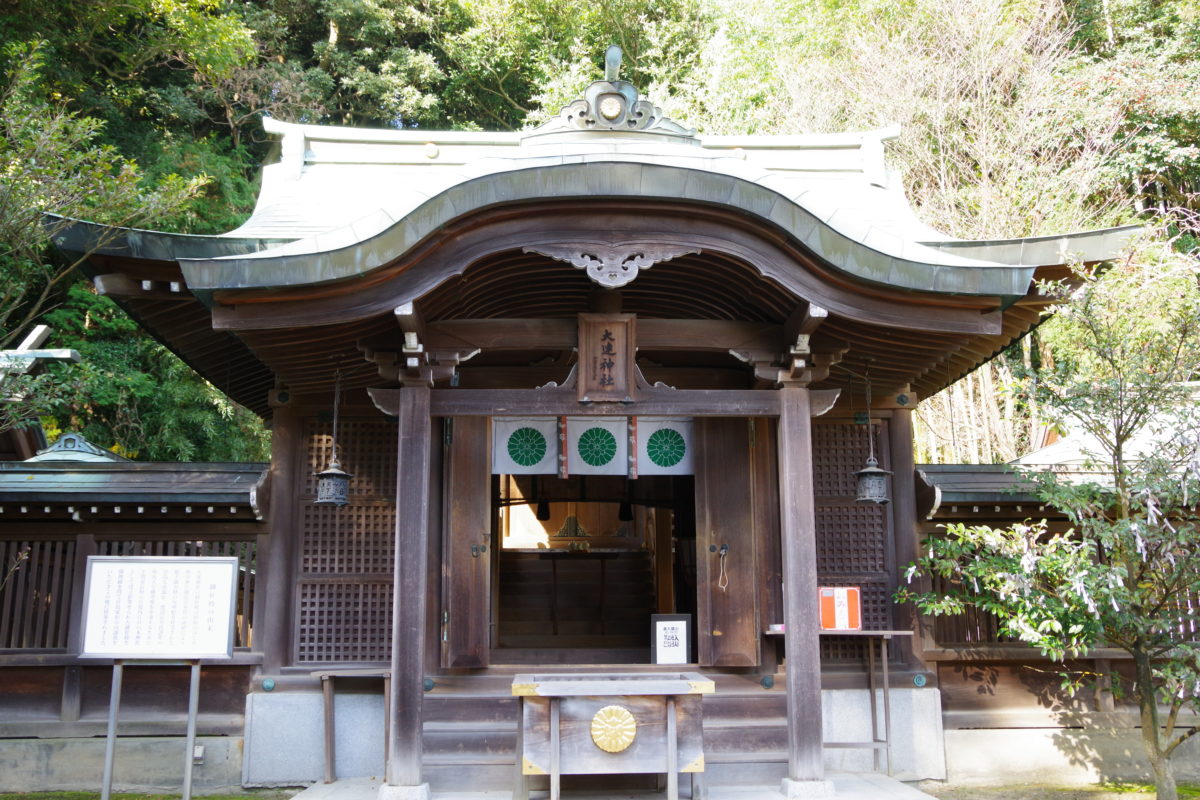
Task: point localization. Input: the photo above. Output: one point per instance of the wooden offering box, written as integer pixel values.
(610, 723)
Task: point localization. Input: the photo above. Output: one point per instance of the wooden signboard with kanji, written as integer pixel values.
(607, 343)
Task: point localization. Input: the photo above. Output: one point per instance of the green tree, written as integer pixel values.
(131, 394)
(1124, 575)
(88, 88)
(50, 161)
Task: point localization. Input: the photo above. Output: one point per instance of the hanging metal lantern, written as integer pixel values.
(872, 481)
(333, 483)
(333, 486)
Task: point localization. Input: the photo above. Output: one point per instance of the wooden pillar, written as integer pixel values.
(904, 519)
(274, 606)
(797, 528)
(409, 596)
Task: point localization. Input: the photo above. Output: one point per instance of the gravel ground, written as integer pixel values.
(1037, 792)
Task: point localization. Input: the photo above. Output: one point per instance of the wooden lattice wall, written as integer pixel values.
(344, 601)
(853, 539)
(36, 601)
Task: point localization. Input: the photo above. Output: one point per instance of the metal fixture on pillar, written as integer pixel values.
(625, 504)
(333, 483)
(872, 481)
(543, 506)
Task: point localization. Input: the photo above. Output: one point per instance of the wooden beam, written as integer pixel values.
(124, 286)
(801, 324)
(497, 377)
(504, 334)
(409, 586)
(115, 528)
(797, 524)
(560, 402)
(696, 335)
(708, 335)
(410, 321)
(690, 402)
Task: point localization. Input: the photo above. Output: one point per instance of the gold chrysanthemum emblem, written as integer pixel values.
(613, 728)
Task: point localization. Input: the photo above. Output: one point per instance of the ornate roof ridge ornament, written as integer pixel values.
(612, 265)
(612, 105)
(75, 447)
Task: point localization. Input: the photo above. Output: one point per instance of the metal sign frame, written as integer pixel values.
(203, 628)
(204, 586)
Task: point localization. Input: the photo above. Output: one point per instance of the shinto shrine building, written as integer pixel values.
(588, 373)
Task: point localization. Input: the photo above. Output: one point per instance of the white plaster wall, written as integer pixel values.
(285, 737)
(917, 751)
(1082, 755)
(140, 764)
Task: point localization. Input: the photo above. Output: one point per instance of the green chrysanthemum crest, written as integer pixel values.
(597, 446)
(526, 446)
(666, 447)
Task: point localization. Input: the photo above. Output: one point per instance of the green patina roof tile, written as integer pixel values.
(753, 199)
(661, 181)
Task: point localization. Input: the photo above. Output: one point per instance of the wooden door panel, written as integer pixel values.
(727, 626)
(764, 455)
(466, 544)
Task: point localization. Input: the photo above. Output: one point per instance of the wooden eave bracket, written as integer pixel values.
(790, 370)
(128, 288)
(801, 324)
(413, 364)
(412, 368)
(928, 495)
(798, 365)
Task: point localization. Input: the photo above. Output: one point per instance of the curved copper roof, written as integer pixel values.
(352, 223)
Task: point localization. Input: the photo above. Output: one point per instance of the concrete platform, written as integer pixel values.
(846, 787)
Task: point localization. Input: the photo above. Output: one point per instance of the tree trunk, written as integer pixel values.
(1160, 764)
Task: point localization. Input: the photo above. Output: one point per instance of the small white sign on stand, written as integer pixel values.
(671, 638)
(158, 608)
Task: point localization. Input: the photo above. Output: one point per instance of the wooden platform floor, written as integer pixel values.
(847, 787)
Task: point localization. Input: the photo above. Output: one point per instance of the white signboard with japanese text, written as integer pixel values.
(159, 607)
(671, 642)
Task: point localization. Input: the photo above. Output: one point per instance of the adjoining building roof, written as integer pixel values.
(1075, 448)
(980, 492)
(75, 480)
(74, 447)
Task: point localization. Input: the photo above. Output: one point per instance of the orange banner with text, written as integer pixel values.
(841, 608)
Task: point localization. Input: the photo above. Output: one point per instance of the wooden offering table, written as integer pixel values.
(609, 723)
